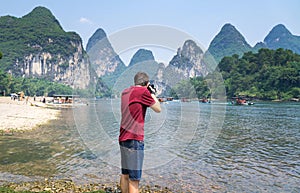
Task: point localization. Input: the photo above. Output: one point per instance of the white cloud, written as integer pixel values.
(85, 20)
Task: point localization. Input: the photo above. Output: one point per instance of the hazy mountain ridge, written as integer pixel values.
(36, 45)
(103, 58)
(281, 37)
(188, 61)
(230, 41)
(140, 56)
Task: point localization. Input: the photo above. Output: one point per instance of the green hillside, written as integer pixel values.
(227, 42)
(35, 32)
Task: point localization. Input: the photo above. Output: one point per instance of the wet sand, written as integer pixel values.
(21, 115)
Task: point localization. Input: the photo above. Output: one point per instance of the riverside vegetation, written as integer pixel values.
(266, 75)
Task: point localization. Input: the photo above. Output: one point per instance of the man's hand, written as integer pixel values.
(151, 89)
(156, 107)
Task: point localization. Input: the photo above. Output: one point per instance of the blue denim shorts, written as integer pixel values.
(132, 157)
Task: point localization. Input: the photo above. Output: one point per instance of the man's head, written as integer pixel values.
(141, 78)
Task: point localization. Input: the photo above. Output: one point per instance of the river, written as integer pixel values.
(189, 147)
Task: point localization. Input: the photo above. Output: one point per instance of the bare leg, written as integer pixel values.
(133, 186)
(124, 182)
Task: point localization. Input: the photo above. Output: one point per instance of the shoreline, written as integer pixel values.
(28, 118)
(20, 116)
(68, 185)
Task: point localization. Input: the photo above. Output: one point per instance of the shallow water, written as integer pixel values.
(189, 147)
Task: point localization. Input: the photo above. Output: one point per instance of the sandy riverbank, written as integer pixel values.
(18, 116)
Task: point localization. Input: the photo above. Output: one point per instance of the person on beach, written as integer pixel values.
(134, 102)
(26, 100)
(44, 99)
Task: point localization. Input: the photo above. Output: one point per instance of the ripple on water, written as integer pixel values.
(257, 150)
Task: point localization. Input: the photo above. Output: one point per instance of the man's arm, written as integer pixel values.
(156, 106)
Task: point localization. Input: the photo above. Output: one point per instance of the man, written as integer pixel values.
(134, 103)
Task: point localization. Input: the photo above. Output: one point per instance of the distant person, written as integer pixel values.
(134, 102)
(44, 99)
(27, 99)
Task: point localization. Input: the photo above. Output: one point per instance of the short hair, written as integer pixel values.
(141, 78)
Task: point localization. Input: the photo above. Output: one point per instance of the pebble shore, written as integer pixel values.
(68, 186)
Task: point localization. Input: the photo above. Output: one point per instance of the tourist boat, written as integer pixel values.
(204, 100)
(161, 99)
(170, 98)
(165, 99)
(65, 101)
(240, 101)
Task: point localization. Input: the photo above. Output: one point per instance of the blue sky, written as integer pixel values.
(200, 19)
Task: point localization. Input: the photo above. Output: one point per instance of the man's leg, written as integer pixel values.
(133, 186)
(124, 182)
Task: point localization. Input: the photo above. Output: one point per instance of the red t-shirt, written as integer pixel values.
(134, 103)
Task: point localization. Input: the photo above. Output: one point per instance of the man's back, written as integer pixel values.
(135, 101)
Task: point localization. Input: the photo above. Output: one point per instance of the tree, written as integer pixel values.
(201, 87)
(184, 89)
(268, 74)
(4, 81)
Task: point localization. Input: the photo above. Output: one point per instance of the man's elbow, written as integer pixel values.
(156, 107)
(158, 110)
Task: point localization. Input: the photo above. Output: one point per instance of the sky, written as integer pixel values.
(202, 20)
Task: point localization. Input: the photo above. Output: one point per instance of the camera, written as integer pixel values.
(151, 89)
